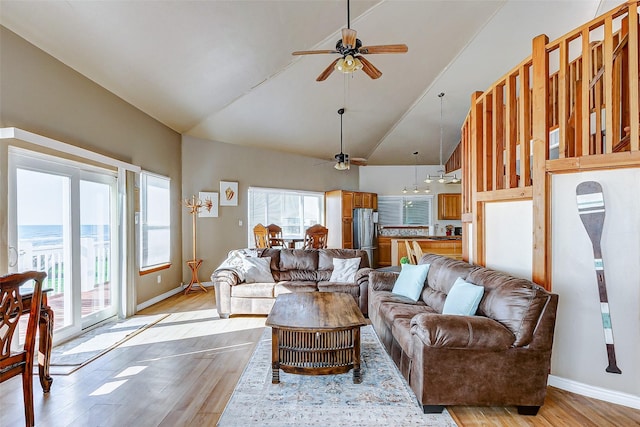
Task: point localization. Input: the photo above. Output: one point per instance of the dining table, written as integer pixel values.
(291, 242)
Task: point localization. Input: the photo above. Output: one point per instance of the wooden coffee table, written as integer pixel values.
(315, 333)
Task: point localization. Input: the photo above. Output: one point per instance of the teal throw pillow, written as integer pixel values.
(463, 298)
(411, 280)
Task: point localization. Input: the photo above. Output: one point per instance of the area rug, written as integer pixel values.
(72, 355)
(382, 399)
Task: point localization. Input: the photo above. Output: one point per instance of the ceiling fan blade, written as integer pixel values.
(327, 71)
(313, 52)
(369, 68)
(385, 48)
(358, 161)
(349, 37)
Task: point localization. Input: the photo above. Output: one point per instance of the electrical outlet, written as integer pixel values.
(159, 278)
(239, 223)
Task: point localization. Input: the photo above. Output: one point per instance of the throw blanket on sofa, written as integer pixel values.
(234, 261)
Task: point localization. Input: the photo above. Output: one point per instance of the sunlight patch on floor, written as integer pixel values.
(107, 388)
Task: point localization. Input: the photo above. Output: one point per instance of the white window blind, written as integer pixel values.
(155, 221)
(405, 210)
(293, 210)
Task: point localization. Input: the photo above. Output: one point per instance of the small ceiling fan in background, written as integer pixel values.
(343, 162)
(351, 50)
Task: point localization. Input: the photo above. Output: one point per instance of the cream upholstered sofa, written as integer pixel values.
(289, 270)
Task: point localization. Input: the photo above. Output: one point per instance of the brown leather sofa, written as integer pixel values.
(293, 270)
(499, 357)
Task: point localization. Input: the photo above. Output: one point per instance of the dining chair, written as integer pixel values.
(315, 237)
(417, 251)
(19, 361)
(261, 236)
(410, 254)
(275, 236)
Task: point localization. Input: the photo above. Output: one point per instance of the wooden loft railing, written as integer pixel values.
(571, 105)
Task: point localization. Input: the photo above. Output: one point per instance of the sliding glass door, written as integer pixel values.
(62, 221)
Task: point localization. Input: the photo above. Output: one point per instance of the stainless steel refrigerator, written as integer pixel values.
(364, 231)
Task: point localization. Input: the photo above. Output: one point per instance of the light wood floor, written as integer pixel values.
(182, 371)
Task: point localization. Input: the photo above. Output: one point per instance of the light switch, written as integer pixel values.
(239, 223)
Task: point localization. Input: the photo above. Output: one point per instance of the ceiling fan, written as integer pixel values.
(343, 162)
(351, 50)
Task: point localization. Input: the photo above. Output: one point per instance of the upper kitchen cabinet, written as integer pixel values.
(449, 206)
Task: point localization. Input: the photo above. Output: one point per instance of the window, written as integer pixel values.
(405, 210)
(292, 210)
(155, 221)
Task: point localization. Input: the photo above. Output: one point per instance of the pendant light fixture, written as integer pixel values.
(342, 160)
(416, 190)
(441, 178)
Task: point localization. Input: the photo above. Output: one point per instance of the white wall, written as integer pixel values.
(390, 180)
(509, 237)
(579, 347)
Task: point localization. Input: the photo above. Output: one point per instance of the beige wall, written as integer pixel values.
(206, 163)
(41, 95)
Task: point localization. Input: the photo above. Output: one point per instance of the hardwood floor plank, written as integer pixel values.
(182, 371)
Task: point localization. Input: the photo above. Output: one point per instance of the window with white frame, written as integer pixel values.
(155, 221)
(405, 210)
(294, 211)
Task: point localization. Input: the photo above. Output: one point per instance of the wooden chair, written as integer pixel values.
(410, 254)
(316, 237)
(261, 236)
(19, 362)
(417, 251)
(275, 236)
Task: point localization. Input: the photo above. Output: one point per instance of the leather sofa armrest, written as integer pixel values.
(382, 281)
(452, 331)
(362, 279)
(223, 280)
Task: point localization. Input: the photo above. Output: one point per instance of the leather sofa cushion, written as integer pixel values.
(298, 276)
(444, 272)
(289, 287)
(326, 256)
(274, 254)
(451, 331)
(516, 303)
(401, 331)
(298, 259)
(390, 312)
(253, 290)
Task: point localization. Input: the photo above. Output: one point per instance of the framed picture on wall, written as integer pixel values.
(209, 204)
(228, 193)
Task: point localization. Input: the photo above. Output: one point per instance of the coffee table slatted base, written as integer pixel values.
(316, 352)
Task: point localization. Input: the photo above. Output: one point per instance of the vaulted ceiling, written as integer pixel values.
(222, 70)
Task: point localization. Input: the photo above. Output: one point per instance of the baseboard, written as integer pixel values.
(166, 295)
(611, 396)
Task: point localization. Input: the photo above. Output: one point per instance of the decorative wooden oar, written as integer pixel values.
(591, 210)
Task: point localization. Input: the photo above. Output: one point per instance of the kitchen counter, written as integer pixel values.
(450, 246)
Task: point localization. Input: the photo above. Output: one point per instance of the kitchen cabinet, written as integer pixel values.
(450, 206)
(357, 200)
(339, 206)
(384, 251)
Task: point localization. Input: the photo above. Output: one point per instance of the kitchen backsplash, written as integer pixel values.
(403, 231)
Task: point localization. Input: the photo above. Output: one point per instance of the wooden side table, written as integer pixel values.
(194, 265)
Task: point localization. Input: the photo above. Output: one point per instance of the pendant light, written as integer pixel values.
(441, 178)
(342, 160)
(416, 190)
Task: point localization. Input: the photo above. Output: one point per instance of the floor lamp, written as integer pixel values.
(194, 205)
